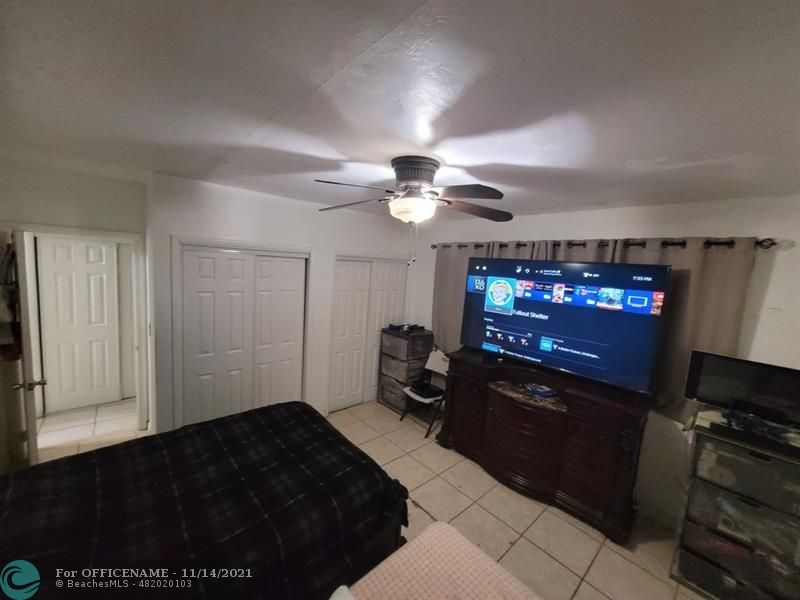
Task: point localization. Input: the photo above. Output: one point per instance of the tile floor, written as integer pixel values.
(556, 555)
(83, 429)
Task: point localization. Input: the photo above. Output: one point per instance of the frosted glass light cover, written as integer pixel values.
(412, 210)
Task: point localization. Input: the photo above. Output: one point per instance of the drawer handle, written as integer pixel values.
(749, 502)
(760, 456)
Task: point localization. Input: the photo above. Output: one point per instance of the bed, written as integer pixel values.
(276, 490)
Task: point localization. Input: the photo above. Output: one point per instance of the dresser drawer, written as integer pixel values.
(766, 530)
(715, 580)
(751, 567)
(765, 478)
(403, 371)
(591, 489)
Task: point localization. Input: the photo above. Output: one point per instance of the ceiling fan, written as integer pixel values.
(415, 198)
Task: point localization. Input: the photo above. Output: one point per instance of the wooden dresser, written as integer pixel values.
(579, 450)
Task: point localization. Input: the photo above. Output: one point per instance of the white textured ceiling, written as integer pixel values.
(561, 104)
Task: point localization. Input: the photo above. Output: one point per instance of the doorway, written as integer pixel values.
(368, 296)
(83, 306)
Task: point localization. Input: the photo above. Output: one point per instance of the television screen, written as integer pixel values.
(598, 320)
(746, 386)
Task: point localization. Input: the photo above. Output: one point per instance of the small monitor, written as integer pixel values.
(768, 391)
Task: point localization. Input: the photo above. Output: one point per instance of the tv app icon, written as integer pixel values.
(500, 295)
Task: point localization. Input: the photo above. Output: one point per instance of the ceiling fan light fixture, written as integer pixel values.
(412, 209)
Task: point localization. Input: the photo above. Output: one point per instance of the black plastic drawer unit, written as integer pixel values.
(770, 480)
(751, 566)
(765, 529)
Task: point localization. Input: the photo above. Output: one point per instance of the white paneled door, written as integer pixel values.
(279, 315)
(80, 321)
(386, 302)
(243, 320)
(368, 295)
(349, 344)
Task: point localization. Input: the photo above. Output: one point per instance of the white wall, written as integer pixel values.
(32, 192)
(195, 209)
(771, 325)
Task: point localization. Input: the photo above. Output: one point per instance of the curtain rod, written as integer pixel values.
(763, 243)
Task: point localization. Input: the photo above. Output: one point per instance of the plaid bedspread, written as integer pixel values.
(276, 490)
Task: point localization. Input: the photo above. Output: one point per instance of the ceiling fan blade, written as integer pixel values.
(369, 187)
(351, 204)
(472, 190)
(479, 211)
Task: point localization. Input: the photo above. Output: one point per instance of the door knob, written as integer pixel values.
(29, 386)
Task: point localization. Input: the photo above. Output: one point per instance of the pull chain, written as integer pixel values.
(412, 243)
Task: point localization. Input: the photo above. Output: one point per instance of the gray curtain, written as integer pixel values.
(512, 250)
(449, 289)
(704, 305)
(582, 250)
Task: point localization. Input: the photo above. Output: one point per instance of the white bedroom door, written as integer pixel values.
(217, 334)
(349, 344)
(80, 321)
(280, 291)
(386, 303)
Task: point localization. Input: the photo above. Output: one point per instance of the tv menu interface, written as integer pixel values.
(600, 320)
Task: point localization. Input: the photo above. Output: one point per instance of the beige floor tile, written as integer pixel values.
(584, 527)
(54, 452)
(436, 458)
(684, 593)
(58, 437)
(540, 572)
(469, 479)
(68, 418)
(359, 432)
(440, 499)
(145, 433)
(572, 547)
(587, 592)
(651, 547)
(368, 409)
(384, 423)
(408, 437)
(620, 579)
(341, 418)
(515, 510)
(119, 424)
(381, 450)
(409, 471)
(418, 520)
(485, 531)
(101, 441)
(113, 410)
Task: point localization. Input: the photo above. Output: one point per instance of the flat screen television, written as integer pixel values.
(599, 320)
(746, 386)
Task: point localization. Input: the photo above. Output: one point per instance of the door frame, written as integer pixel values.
(141, 329)
(181, 243)
(370, 258)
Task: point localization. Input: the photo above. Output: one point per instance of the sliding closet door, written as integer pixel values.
(218, 320)
(351, 300)
(386, 301)
(279, 319)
